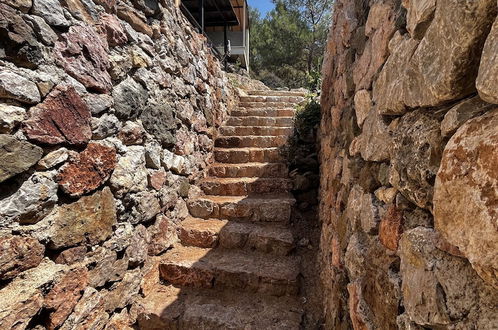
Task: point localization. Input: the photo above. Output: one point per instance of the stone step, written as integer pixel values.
(262, 208)
(230, 269)
(244, 186)
(263, 112)
(169, 307)
(277, 93)
(261, 121)
(248, 155)
(271, 99)
(255, 130)
(260, 170)
(281, 105)
(213, 233)
(250, 141)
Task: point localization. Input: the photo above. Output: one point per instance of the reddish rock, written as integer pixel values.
(83, 54)
(132, 134)
(391, 228)
(136, 21)
(88, 171)
(336, 253)
(71, 256)
(64, 296)
(109, 5)
(443, 245)
(357, 307)
(157, 179)
(18, 254)
(63, 117)
(113, 29)
(162, 235)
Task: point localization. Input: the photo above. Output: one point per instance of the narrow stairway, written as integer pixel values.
(234, 268)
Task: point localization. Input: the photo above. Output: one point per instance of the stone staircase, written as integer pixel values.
(234, 268)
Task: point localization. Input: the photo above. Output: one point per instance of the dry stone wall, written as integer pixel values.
(409, 151)
(108, 110)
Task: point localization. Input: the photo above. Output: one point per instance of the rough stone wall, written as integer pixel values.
(409, 152)
(108, 111)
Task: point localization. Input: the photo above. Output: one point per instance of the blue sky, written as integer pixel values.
(264, 6)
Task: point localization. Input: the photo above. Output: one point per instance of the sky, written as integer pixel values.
(264, 6)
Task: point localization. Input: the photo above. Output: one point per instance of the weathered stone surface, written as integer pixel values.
(10, 117)
(88, 171)
(42, 29)
(130, 99)
(415, 156)
(51, 11)
(162, 235)
(108, 268)
(362, 105)
(466, 194)
(105, 126)
(173, 162)
(153, 155)
(89, 312)
(109, 5)
(98, 103)
(18, 254)
(486, 80)
(89, 220)
(62, 298)
(137, 251)
(22, 5)
(130, 174)
(132, 133)
(53, 159)
(121, 293)
(16, 156)
(134, 18)
(31, 202)
(113, 30)
(159, 120)
(419, 16)
(439, 289)
(429, 72)
(83, 55)
(462, 112)
(157, 179)
(374, 141)
(63, 117)
(71, 255)
(391, 228)
(379, 27)
(363, 211)
(23, 297)
(16, 87)
(143, 206)
(19, 44)
(372, 283)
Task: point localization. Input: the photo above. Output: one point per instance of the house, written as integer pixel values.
(225, 23)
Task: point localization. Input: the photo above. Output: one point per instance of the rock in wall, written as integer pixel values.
(409, 189)
(108, 111)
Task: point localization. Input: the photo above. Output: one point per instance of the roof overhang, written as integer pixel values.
(216, 12)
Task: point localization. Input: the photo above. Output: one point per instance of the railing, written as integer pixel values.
(196, 25)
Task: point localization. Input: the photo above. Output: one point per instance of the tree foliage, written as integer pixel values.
(287, 45)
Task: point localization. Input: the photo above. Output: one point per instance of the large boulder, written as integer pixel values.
(487, 80)
(430, 72)
(466, 194)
